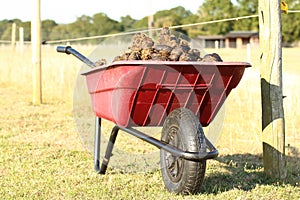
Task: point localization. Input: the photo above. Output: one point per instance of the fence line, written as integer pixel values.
(154, 29)
(147, 30)
(9, 42)
(215, 21)
(5, 41)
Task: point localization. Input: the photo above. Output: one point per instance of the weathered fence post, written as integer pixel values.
(273, 128)
(36, 54)
(249, 52)
(150, 24)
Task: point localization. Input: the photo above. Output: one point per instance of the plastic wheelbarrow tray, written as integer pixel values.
(180, 96)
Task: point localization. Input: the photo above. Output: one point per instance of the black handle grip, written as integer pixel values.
(70, 50)
(63, 49)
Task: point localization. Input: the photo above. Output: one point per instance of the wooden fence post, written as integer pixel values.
(249, 52)
(273, 128)
(36, 54)
(150, 24)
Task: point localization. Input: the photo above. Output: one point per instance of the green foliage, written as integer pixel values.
(215, 10)
(47, 27)
(291, 23)
(104, 25)
(245, 8)
(6, 28)
(27, 29)
(59, 32)
(127, 23)
(140, 24)
(42, 157)
(101, 24)
(81, 27)
(172, 17)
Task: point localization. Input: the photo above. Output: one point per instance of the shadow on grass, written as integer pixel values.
(245, 172)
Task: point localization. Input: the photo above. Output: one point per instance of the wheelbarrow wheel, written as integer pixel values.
(182, 130)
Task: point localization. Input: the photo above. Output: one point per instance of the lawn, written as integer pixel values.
(43, 156)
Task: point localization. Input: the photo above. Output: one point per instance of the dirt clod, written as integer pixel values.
(167, 48)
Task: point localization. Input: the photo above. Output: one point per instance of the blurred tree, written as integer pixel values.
(214, 10)
(291, 24)
(244, 8)
(47, 27)
(101, 24)
(59, 32)
(127, 23)
(193, 31)
(104, 25)
(82, 27)
(3, 26)
(172, 17)
(6, 28)
(141, 24)
(27, 30)
(6, 34)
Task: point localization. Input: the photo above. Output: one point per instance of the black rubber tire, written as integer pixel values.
(183, 130)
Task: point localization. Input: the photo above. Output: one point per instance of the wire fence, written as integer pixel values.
(146, 30)
(5, 41)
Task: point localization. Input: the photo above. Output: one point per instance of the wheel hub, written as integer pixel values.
(174, 165)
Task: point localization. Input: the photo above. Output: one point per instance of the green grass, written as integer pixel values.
(42, 158)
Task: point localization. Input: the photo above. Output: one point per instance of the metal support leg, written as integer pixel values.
(97, 142)
(110, 146)
(194, 156)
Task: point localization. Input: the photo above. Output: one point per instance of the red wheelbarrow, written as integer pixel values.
(182, 97)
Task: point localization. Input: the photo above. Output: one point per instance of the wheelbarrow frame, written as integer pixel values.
(128, 128)
(194, 156)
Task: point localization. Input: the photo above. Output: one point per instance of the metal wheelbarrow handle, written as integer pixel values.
(69, 50)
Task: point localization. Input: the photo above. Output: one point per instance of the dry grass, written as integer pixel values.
(242, 126)
(60, 72)
(42, 158)
(43, 140)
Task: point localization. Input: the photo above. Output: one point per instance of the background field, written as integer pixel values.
(42, 155)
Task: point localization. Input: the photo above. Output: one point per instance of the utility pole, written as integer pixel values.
(273, 126)
(36, 54)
